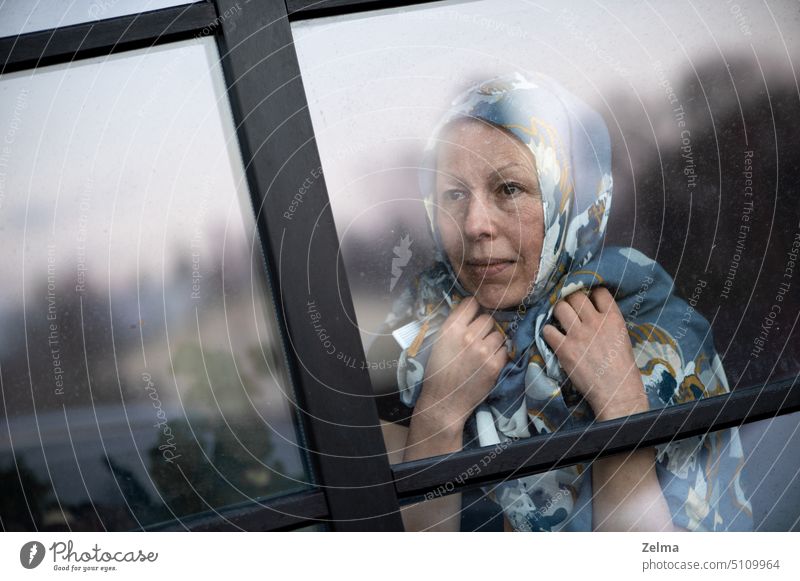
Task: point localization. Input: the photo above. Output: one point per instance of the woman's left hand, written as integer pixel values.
(595, 351)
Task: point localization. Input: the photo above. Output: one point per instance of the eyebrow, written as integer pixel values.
(495, 172)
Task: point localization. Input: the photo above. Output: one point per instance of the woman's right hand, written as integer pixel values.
(467, 356)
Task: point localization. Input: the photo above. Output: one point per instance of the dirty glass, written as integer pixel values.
(142, 372)
(21, 16)
(700, 104)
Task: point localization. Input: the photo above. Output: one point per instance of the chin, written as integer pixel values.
(495, 299)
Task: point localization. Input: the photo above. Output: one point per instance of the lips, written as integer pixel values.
(488, 268)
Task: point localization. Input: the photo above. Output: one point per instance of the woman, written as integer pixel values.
(526, 324)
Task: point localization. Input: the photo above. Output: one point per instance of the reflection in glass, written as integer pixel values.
(570, 490)
(687, 116)
(21, 16)
(142, 372)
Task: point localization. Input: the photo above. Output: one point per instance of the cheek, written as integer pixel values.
(532, 236)
(452, 238)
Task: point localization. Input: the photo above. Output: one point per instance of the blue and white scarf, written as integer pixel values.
(672, 343)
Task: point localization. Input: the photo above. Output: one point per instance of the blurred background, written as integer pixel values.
(142, 375)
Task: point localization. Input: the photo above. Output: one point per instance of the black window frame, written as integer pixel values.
(357, 488)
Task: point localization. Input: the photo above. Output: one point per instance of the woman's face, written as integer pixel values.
(489, 211)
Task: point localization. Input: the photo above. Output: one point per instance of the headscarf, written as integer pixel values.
(672, 343)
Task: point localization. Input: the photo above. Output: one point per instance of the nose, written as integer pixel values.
(478, 219)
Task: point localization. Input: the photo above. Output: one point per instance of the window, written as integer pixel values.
(143, 374)
(694, 162)
(235, 284)
(20, 17)
(378, 83)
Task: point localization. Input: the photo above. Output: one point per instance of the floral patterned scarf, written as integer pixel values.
(672, 343)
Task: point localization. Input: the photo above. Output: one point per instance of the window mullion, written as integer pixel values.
(467, 469)
(302, 251)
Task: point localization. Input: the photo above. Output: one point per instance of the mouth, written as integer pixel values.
(488, 268)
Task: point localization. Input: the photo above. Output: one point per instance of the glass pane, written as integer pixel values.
(772, 472)
(21, 16)
(143, 376)
(458, 135)
(693, 489)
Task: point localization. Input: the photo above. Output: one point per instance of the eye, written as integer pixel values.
(454, 195)
(511, 189)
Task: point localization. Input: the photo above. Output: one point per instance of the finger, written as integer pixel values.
(583, 307)
(500, 351)
(496, 340)
(501, 360)
(602, 299)
(465, 311)
(553, 337)
(481, 326)
(566, 315)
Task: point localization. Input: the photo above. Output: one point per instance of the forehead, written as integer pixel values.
(479, 142)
